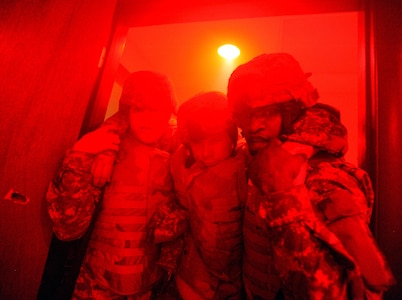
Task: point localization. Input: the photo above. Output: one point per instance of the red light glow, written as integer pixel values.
(228, 51)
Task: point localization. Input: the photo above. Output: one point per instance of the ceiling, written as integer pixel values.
(156, 12)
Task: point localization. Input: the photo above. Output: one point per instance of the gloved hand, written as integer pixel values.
(104, 143)
(169, 221)
(273, 169)
(102, 167)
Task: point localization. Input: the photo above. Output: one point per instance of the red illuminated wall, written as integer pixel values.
(48, 68)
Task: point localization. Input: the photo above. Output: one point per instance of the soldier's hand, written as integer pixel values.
(102, 168)
(273, 169)
(98, 141)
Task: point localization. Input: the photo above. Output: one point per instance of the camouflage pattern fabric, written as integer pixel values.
(308, 249)
(275, 77)
(320, 128)
(171, 253)
(71, 198)
(343, 199)
(167, 226)
(327, 176)
(169, 222)
(338, 191)
(118, 256)
(312, 263)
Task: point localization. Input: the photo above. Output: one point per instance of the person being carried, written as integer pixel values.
(120, 263)
(210, 183)
(306, 218)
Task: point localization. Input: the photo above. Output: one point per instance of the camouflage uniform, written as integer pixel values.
(215, 198)
(309, 237)
(119, 257)
(120, 260)
(299, 225)
(310, 261)
(342, 195)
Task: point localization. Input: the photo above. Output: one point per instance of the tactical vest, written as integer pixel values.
(259, 276)
(119, 254)
(215, 197)
(215, 207)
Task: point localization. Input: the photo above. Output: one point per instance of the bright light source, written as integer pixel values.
(228, 51)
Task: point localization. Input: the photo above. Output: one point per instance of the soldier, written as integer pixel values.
(120, 262)
(307, 213)
(210, 183)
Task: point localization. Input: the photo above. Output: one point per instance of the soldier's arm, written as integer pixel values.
(71, 196)
(341, 203)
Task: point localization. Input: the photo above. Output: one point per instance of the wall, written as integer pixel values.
(48, 68)
(386, 131)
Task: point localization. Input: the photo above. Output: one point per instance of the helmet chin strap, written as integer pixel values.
(290, 111)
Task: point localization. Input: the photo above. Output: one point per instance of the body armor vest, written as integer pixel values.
(259, 276)
(215, 199)
(119, 254)
(215, 206)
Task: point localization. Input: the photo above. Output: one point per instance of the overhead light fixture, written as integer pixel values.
(228, 51)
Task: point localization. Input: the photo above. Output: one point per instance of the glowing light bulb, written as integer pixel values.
(228, 51)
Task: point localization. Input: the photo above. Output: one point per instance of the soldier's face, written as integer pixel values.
(260, 124)
(212, 149)
(148, 125)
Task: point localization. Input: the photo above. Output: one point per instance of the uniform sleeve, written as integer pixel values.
(71, 197)
(321, 128)
(342, 197)
(169, 221)
(117, 122)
